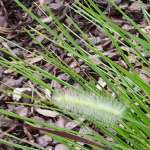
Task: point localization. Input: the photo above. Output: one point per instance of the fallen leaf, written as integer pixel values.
(21, 110)
(73, 124)
(131, 59)
(47, 19)
(144, 77)
(73, 64)
(95, 59)
(135, 7)
(44, 140)
(56, 5)
(102, 83)
(128, 27)
(61, 147)
(3, 21)
(47, 113)
(61, 122)
(39, 38)
(18, 91)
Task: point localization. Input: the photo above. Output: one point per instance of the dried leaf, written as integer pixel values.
(47, 113)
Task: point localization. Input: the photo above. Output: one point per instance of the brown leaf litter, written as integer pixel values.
(13, 20)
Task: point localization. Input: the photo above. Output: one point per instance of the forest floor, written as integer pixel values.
(13, 20)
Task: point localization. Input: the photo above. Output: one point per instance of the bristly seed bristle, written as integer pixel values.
(100, 108)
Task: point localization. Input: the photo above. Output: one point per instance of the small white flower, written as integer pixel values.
(100, 108)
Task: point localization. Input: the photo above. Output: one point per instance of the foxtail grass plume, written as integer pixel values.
(90, 106)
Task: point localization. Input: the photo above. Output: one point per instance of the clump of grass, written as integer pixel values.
(94, 106)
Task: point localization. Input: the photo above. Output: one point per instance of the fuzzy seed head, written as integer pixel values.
(100, 108)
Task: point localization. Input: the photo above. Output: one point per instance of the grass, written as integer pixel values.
(133, 130)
